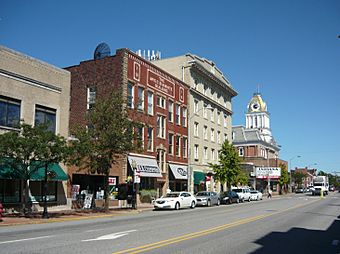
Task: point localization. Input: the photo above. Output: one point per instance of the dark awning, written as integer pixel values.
(54, 173)
(9, 169)
(199, 177)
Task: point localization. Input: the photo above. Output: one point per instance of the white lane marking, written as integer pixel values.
(110, 236)
(335, 242)
(27, 239)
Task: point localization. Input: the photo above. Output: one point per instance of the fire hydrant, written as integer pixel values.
(1, 211)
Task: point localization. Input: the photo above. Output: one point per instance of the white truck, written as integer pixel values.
(320, 184)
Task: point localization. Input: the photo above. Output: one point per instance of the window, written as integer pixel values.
(195, 106)
(140, 104)
(205, 132)
(161, 126)
(171, 143)
(241, 151)
(212, 115)
(161, 160)
(205, 153)
(37, 191)
(205, 90)
(196, 129)
(184, 117)
(212, 136)
(178, 148)
(91, 97)
(140, 135)
(225, 136)
(171, 111)
(44, 115)
(150, 103)
(205, 110)
(10, 191)
(196, 152)
(178, 114)
(160, 101)
(225, 122)
(9, 112)
(212, 154)
(184, 147)
(218, 137)
(130, 97)
(219, 118)
(150, 139)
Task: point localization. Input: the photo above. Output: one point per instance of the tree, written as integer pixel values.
(284, 178)
(110, 135)
(298, 177)
(23, 152)
(242, 178)
(229, 165)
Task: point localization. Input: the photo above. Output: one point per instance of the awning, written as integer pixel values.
(199, 177)
(54, 173)
(146, 167)
(9, 169)
(179, 171)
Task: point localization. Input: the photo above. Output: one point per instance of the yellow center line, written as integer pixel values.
(189, 236)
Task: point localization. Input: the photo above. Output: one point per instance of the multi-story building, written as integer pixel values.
(155, 98)
(210, 114)
(307, 180)
(257, 146)
(35, 92)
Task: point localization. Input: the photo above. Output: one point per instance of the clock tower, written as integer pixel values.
(257, 117)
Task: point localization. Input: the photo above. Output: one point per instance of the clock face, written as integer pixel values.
(255, 106)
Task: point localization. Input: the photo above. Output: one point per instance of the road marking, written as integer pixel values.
(27, 239)
(110, 236)
(189, 236)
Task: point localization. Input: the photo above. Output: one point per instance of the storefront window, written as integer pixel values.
(10, 191)
(44, 115)
(37, 191)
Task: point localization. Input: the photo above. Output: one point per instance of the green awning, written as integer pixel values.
(11, 169)
(54, 173)
(199, 177)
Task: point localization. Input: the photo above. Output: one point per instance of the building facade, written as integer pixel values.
(210, 110)
(156, 99)
(257, 146)
(36, 92)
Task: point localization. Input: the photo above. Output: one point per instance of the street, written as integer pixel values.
(290, 224)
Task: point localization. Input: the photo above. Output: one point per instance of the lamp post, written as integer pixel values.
(290, 171)
(190, 172)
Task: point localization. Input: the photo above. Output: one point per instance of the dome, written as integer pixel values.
(257, 104)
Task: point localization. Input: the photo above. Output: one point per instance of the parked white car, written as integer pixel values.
(243, 193)
(255, 195)
(175, 200)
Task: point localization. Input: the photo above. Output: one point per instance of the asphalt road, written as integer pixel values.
(294, 224)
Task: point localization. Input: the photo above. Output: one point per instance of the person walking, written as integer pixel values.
(269, 193)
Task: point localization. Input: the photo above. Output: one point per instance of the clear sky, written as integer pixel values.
(289, 47)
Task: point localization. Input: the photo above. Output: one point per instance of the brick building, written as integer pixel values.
(154, 98)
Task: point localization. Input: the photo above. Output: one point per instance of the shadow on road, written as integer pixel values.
(300, 240)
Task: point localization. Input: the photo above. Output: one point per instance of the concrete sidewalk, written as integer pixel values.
(69, 215)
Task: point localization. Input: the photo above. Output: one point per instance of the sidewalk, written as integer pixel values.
(69, 215)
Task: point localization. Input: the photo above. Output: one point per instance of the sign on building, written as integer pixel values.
(268, 172)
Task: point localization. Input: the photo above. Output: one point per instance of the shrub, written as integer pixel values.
(146, 196)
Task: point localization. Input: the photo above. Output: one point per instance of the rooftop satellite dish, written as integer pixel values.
(101, 51)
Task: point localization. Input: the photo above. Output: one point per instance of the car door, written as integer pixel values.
(185, 199)
(214, 198)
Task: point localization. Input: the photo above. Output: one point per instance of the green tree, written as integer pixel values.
(228, 168)
(109, 137)
(284, 178)
(23, 152)
(298, 177)
(242, 178)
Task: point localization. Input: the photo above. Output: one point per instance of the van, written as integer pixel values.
(243, 193)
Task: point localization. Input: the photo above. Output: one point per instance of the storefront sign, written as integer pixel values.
(161, 84)
(268, 172)
(147, 167)
(179, 171)
(112, 181)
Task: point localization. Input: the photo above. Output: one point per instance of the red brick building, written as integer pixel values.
(155, 98)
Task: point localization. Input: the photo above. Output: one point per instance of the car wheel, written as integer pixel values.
(192, 205)
(218, 202)
(177, 206)
(209, 203)
(238, 201)
(249, 199)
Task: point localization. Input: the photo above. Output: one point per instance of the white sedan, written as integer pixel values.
(255, 195)
(175, 200)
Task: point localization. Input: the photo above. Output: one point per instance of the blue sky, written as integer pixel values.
(290, 48)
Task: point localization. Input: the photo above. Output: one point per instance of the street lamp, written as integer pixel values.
(290, 172)
(190, 173)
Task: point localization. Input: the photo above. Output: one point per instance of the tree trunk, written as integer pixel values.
(106, 192)
(25, 202)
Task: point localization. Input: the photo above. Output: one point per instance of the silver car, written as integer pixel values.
(207, 198)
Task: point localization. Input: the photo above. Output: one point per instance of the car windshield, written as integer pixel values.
(202, 193)
(172, 195)
(237, 190)
(318, 184)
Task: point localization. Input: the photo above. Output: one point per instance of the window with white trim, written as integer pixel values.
(205, 110)
(205, 132)
(171, 143)
(205, 151)
(160, 126)
(160, 101)
(171, 111)
(196, 129)
(185, 147)
(184, 116)
(150, 139)
(9, 112)
(212, 154)
(212, 136)
(196, 151)
(91, 97)
(218, 137)
(195, 106)
(140, 102)
(130, 95)
(150, 103)
(178, 146)
(218, 117)
(178, 114)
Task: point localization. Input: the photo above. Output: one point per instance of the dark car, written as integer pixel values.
(229, 197)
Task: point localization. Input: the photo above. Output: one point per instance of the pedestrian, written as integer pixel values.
(269, 193)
